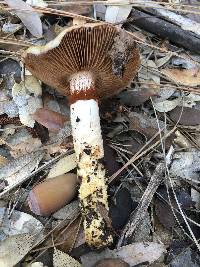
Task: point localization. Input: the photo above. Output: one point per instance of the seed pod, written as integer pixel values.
(52, 194)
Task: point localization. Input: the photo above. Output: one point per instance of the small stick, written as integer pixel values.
(138, 215)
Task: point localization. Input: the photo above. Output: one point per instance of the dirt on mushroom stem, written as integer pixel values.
(88, 145)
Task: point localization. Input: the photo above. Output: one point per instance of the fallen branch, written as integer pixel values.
(184, 22)
(165, 30)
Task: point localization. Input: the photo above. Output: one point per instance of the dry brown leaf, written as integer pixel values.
(148, 76)
(111, 263)
(28, 16)
(27, 104)
(64, 165)
(68, 212)
(182, 141)
(3, 161)
(14, 248)
(186, 165)
(61, 259)
(185, 116)
(52, 120)
(163, 60)
(144, 124)
(135, 97)
(80, 240)
(65, 235)
(17, 170)
(18, 223)
(28, 146)
(55, 148)
(134, 254)
(148, 73)
(60, 137)
(20, 141)
(76, 8)
(187, 257)
(68, 235)
(189, 77)
(167, 105)
(104, 213)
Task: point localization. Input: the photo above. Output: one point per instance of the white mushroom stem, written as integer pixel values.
(88, 145)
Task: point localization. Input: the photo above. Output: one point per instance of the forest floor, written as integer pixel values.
(151, 133)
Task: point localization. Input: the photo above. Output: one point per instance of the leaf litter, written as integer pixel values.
(17, 222)
(157, 112)
(27, 15)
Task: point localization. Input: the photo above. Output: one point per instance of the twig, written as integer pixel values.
(142, 152)
(15, 42)
(138, 215)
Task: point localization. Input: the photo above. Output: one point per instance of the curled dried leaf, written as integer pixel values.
(189, 77)
(52, 120)
(185, 116)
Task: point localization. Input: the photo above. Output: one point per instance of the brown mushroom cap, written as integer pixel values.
(99, 48)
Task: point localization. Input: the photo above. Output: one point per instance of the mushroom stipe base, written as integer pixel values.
(88, 145)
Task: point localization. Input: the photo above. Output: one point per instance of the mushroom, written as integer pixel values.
(87, 63)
